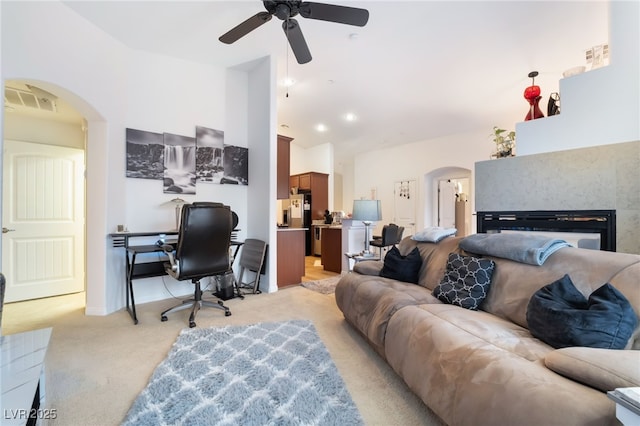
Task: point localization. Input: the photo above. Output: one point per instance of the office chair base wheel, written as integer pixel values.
(163, 318)
(192, 324)
(227, 313)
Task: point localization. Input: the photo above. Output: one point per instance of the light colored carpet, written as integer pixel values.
(97, 365)
(270, 373)
(324, 286)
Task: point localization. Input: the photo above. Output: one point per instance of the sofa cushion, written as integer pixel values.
(402, 268)
(561, 316)
(466, 281)
(603, 369)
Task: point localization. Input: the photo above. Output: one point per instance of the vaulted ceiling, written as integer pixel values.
(418, 70)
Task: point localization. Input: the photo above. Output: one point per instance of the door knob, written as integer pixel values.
(5, 230)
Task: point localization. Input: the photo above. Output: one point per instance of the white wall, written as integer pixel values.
(115, 87)
(380, 169)
(26, 128)
(597, 107)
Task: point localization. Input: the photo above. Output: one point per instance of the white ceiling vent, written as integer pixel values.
(35, 98)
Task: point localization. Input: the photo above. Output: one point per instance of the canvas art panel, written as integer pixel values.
(209, 155)
(145, 154)
(179, 164)
(236, 165)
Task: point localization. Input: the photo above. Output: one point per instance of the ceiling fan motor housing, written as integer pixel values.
(283, 9)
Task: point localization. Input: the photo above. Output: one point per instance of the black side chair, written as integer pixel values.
(202, 251)
(389, 237)
(252, 260)
(399, 236)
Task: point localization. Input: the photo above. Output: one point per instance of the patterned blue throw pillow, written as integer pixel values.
(466, 281)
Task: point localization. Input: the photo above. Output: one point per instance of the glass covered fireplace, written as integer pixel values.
(594, 229)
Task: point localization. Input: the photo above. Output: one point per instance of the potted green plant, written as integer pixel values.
(505, 143)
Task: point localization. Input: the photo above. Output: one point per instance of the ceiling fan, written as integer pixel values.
(286, 10)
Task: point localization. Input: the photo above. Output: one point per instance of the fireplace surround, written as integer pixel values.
(601, 222)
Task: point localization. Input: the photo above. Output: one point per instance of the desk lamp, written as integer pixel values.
(178, 203)
(367, 211)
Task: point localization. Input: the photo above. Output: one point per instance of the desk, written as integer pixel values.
(139, 270)
(147, 269)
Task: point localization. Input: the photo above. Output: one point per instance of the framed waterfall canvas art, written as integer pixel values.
(209, 155)
(179, 164)
(145, 154)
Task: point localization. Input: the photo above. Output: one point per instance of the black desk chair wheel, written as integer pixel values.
(202, 251)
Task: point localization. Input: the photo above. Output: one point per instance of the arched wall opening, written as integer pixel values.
(430, 196)
(95, 147)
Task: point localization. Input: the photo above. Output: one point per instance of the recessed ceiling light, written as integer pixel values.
(350, 116)
(321, 128)
(288, 82)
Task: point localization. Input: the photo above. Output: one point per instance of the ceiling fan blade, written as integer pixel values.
(245, 27)
(296, 40)
(334, 13)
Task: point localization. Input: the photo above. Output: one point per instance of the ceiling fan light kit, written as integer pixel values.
(286, 11)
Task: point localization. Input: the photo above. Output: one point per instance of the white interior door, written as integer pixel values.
(43, 220)
(405, 206)
(447, 203)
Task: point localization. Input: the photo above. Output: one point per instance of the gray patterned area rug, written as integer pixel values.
(325, 286)
(277, 373)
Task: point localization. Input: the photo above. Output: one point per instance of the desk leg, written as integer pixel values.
(131, 309)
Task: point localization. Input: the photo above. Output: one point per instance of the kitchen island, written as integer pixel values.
(291, 251)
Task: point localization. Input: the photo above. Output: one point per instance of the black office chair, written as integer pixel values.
(389, 238)
(202, 251)
(251, 260)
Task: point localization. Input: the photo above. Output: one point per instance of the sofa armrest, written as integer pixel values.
(603, 369)
(368, 267)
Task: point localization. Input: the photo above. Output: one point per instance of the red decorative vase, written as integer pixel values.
(534, 111)
(532, 94)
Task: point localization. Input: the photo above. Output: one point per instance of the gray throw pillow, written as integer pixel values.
(402, 268)
(559, 315)
(466, 281)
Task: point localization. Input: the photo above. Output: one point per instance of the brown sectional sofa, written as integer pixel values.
(484, 367)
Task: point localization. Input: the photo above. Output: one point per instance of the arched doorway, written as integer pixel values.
(454, 184)
(91, 127)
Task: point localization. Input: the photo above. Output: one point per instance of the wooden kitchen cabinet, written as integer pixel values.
(283, 167)
(318, 184)
(332, 249)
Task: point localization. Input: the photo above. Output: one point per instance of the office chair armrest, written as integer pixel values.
(169, 250)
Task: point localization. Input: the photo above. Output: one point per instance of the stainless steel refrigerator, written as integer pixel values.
(300, 216)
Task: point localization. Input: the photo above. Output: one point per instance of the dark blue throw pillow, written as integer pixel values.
(402, 268)
(559, 315)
